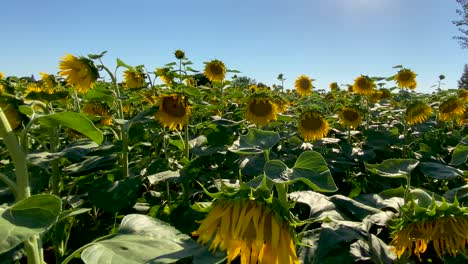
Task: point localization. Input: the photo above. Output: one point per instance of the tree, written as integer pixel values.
(463, 82)
(462, 24)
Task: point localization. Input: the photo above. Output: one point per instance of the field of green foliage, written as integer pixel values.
(124, 164)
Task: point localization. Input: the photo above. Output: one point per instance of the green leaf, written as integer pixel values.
(75, 121)
(260, 139)
(440, 171)
(460, 153)
(277, 171)
(26, 109)
(393, 168)
(43, 96)
(142, 239)
(31, 216)
(115, 196)
(120, 63)
(97, 56)
(312, 169)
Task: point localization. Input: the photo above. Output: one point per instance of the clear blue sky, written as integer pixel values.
(333, 40)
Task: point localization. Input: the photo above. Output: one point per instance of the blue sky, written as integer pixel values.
(333, 40)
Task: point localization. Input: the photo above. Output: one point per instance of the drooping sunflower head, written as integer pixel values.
(406, 78)
(9, 106)
(386, 94)
(312, 125)
(333, 86)
(303, 85)
(191, 82)
(261, 109)
(215, 70)
(166, 75)
(417, 112)
(375, 96)
(174, 111)
(453, 107)
(363, 85)
(282, 103)
(134, 79)
(179, 54)
(463, 95)
(463, 119)
(249, 229)
(79, 72)
(96, 109)
(48, 80)
(349, 117)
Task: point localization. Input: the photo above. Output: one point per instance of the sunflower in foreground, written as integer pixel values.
(215, 70)
(79, 72)
(406, 78)
(451, 108)
(261, 109)
(249, 229)
(363, 85)
(134, 79)
(312, 125)
(350, 118)
(303, 85)
(442, 225)
(9, 106)
(417, 113)
(174, 111)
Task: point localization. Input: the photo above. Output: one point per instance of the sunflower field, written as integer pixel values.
(121, 164)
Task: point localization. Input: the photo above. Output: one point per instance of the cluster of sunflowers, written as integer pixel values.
(256, 227)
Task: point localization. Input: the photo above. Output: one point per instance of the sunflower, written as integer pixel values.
(9, 106)
(253, 88)
(48, 80)
(451, 108)
(98, 109)
(38, 87)
(165, 75)
(215, 70)
(375, 96)
(2, 75)
(463, 119)
(417, 113)
(261, 109)
(350, 118)
(174, 111)
(249, 229)
(303, 85)
(334, 86)
(179, 54)
(312, 125)
(406, 78)
(191, 82)
(80, 72)
(386, 94)
(463, 95)
(363, 85)
(134, 79)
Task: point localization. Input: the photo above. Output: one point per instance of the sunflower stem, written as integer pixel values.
(186, 141)
(77, 101)
(349, 135)
(267, 154)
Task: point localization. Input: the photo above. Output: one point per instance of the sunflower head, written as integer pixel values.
(363, 85)
(134, 79)
(38, 87)
(215, 70)
(303, 85)
(333, 86)
(2, 75)
(463, 95)
(349, 117)
(179, 54)
(463, 119)
(48, 80)
(174, 111)
(9, 106)
(386, 94)
(79, 72)
(191, 82)
(453, 107)
(375, 96)
(312, 125)
(406, 78)
(261, 109)
(166, 75)
(99, 110)
(249, 229)
(417, 112)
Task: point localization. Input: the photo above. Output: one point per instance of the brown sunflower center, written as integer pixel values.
(312, 123)
(350, 115)
(448, 108)
(216, 69)
(304, 84)
(260, 108)
(174, 107)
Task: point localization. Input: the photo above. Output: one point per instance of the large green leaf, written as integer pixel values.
(393, 168)
(75, 121)
(260, 139)
(311, 168)
(114, 196)
(460, 152)
(277, 171)
(26, 218)
(440, 171)
(142, 239)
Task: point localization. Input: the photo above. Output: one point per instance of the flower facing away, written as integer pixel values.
(303, 85)
(134, 79)
(333, 86)
(215, 70)
(79, 72)
(191, 82)
(350, 118)
(98, 109)
(165, 75)
(261, 109)
(363, 85)
(451, 108)
(9, 106)
(48, 80)
(447, 234)
(179, 54)
(406, 78)
(174, 111)
(417, 113)
(312, 125)
(248, 229)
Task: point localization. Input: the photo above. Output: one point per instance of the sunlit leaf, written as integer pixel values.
(393, 168)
